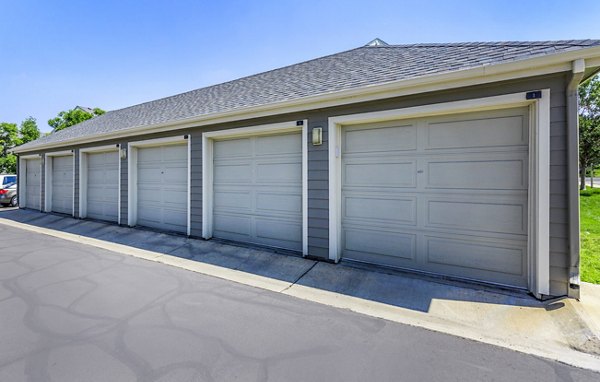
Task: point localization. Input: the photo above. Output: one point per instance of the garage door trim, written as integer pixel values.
(22, 178)
(48, 179)
(208, 139)
(83, 178)
(132, 168)
(539, 174)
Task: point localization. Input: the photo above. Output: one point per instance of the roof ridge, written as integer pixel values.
(585, 42)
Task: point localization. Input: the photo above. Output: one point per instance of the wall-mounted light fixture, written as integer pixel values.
(317, 136)
(123, 153)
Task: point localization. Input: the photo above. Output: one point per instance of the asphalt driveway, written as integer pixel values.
(71, 312)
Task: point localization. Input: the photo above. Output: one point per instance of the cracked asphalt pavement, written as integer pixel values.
(72, 312)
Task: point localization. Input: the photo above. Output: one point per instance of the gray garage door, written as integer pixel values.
(103, 185)
(33, 180)
(162, 187)
(62, 184)
(258, 190)
(445, 195)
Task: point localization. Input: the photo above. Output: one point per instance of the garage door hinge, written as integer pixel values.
(534, 95)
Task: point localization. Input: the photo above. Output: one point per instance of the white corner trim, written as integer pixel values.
(189, 185)
(207, 189)
(62, 153)
(305, 188)
(73, 184)
(119, 187)
(131, 185)
(32, 156)
(539, 179)
(542, 189)
(158, 141)
(208, 173)
(99, 149)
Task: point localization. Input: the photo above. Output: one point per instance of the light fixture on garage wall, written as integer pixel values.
(317, 136)
(123, 153)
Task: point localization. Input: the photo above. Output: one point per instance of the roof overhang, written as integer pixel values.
(536, 66)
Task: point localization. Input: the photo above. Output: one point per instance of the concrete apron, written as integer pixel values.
(564, 330)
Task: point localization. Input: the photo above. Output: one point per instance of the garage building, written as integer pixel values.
(457, 160)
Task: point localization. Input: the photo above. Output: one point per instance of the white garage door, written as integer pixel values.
(103, 185)
(445, 195)
(33, 183)
(62, 184)
(258, 190)
(162, 187)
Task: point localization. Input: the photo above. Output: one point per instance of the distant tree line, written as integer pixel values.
(12, 135)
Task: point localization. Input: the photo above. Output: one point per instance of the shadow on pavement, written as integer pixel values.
(387, 286)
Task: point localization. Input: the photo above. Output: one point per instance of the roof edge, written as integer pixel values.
(529, 67)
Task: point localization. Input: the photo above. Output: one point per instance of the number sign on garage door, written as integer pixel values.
(445, 195)
(162, 187)
(258, 190)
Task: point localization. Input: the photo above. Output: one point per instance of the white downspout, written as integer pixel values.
(573, 174)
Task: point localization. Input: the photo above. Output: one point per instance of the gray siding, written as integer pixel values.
(318, 192)
(76, 184)
(43, 184)
(124, 187)
(196, 184)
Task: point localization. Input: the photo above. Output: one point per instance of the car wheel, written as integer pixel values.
(14, 201)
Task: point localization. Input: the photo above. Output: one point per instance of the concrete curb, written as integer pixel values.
(549, 350)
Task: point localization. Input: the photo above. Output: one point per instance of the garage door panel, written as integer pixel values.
(279, 230)
(476, 216)
(232, 173)
(279, 173)
(281, 203)
(238, 225)
(478, 133)
(379, 209)
(233, 148)
(398, 174)
(380, 139)
(236, 200)
(278, 144)
(380, 242)
(478, 174)
(457, 204)
(162, 188)
(491, 256)
(257, 190)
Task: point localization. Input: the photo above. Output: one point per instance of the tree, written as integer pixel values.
(9, 138)
(589, 126)
(29, 130)
(72, 117)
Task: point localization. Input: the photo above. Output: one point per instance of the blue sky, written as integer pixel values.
(55, 55)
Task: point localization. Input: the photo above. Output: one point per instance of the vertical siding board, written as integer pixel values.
(196, 185)
(76, 172)
(318, 177)
(124, 185)
(43, 182)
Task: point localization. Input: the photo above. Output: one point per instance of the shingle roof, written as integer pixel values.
(367, 65)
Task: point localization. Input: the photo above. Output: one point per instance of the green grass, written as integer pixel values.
(590, 235)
